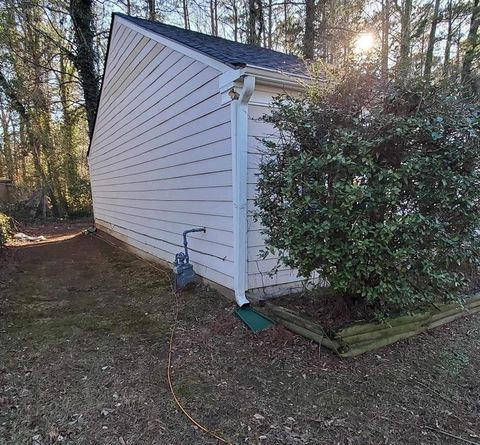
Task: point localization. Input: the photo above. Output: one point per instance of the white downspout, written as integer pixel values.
(239, 114)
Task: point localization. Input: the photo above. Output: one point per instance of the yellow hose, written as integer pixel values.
(170, 346)
(169, 379)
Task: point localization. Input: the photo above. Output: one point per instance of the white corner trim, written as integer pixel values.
(239, 116)
(176, 46)
(228, 78)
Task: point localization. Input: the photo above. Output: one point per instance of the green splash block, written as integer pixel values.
(254, 320)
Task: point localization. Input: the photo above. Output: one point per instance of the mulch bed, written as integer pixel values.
(323, 306)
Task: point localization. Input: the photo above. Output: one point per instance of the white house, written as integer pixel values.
(176, 146)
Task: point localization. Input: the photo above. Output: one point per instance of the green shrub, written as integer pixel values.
(80, 201)
(5, 228)
(375, 187)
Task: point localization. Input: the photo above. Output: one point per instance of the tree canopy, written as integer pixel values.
(52, 54)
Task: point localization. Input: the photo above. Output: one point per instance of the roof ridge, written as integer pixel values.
(179, 28)
(227, 51)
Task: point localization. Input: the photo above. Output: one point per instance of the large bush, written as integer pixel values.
(376, 187)
(5, 228)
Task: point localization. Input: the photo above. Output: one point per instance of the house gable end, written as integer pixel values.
(121, 32)
(175, 45)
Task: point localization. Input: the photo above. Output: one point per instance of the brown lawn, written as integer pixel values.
(84, 335)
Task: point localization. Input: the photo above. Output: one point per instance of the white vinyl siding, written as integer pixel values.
(160, 158)
(259, 269)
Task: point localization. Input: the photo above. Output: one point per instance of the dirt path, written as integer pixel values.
(83, 341)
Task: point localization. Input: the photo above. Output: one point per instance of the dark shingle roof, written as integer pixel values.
(227, 51)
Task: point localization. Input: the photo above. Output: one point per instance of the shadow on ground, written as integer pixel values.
(84, 334)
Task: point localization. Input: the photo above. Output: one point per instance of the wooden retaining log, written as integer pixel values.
(352, 349)
(362, 328)
(356, 345)
(427, 319)
(294, 317)
(381, 333)
(466, 309)
(301, 325)
(434, 323)
(320, 339)
(357, 339)
(360, 348)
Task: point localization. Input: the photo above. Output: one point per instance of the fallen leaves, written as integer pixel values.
(106, 411)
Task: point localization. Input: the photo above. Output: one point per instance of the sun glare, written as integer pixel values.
(364, 42)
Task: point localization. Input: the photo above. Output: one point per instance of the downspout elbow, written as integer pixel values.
(247, 90)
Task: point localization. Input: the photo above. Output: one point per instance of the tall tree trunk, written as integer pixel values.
(270, 24)
(31, 140)
(251, 36)
(186, 15)
(23, 145)
(468, 79)
(7, 151)
(235, 20)
(264, 37)
(385, 37)
(322, 29)
(151, 10)
(309, 36)
(421, 55)
(252, 22)
(214, 17)
(255, 22)
(17, 157)
(69, 159)
(427, 72)
(403, 66)
(85, 58)
(215, 9)
(9, 170)
(448, 43)
(7, 142)
(41, 105)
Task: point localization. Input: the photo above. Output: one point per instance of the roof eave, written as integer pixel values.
(264, 76)
(278, 78)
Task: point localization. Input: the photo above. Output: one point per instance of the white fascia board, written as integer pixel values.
(176, 46)
(272, 77)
